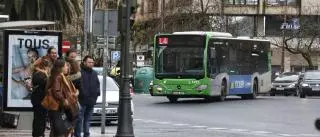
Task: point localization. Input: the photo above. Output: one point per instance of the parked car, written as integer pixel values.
(99, 70)
(285, 84)
(112, 102)
(309, 84)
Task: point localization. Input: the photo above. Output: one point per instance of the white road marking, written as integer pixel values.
(261, 132)
(217, 128)
(163, 123)
(286, 135)
(308, 135)
(199, 126)
(239, 130)
(181, 124)
(150, 121)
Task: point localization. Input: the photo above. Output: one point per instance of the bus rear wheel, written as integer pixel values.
(172, 99)
(223, 95)
(254, 90)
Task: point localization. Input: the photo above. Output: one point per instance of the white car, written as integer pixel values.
(112, 102)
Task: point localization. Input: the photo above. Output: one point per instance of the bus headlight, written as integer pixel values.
(305, 85)
(202, 87)
(292, 85)
(158, 87)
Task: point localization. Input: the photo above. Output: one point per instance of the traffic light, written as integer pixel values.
(133, 13)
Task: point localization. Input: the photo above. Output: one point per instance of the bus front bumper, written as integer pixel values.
(182, 94)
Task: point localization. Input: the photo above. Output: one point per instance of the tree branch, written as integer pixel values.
(95, 4)
(311, 42)
(289, 49)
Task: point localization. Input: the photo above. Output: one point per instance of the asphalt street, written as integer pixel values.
(264, 117)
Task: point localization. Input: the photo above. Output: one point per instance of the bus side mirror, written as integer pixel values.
(212, 53)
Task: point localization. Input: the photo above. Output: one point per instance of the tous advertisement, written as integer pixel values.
(22, 49)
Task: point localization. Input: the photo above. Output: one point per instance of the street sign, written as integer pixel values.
(115, 56)
(140, 57)
(140, 60)
(112, 42)
(105, 22)
(292, 24)
(66, 45)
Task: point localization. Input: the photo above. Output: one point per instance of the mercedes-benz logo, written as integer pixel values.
(178, 87)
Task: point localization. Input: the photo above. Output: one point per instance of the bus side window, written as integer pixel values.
(212, 58)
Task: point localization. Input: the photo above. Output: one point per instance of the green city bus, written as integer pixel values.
(210, 65)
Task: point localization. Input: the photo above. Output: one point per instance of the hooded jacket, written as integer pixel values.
(90, 86)
(75, 74)
(39, 81)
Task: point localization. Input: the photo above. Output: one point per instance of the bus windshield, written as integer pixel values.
(179, 61)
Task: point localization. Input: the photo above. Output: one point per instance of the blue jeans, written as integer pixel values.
(83, 121)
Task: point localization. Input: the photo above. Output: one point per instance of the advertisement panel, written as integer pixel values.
(240, 84)
(22, 48)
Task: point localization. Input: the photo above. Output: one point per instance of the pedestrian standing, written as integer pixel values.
(90, 90)
(39, 81)
(65, 94)
(74, 73)
(52, 55)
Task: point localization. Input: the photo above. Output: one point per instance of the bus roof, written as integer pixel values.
(209, 33)
(243, 38)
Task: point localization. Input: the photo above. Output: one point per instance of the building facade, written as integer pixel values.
(276, 20)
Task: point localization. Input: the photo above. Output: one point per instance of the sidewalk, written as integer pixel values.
(95, 132)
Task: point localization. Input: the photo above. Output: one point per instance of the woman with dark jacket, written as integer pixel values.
(39, 81)
(65, 93)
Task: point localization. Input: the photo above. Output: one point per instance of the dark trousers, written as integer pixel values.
(83, 121)
(39, 121)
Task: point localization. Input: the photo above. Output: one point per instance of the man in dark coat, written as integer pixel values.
(89, 92)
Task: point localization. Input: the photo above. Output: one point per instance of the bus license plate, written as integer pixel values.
(280, 88)
(177, 92)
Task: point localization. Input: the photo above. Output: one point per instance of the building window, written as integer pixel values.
(240, 25)
(142, 8)
(179, 3)
(152, 6)
(241, 2)
(282, 2)
(183, 3)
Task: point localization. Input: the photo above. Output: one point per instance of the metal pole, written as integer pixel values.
(283, 50)
(283, 39)
(90, 29)
(105, 70)
(86, 25)
(162, 15)
(125, 128)
(104, 88)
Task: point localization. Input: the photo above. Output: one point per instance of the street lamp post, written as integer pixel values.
(284, 24)
(125, 128)
(283, 44)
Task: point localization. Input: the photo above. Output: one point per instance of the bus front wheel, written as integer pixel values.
(172, 99)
